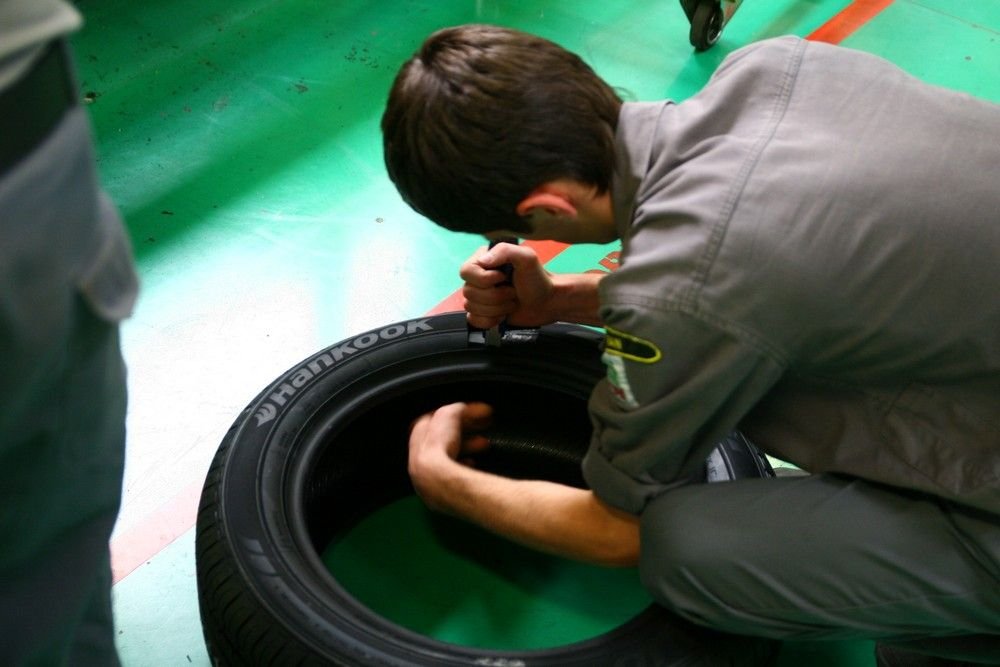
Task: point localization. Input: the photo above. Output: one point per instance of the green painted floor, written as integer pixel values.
(240, 139)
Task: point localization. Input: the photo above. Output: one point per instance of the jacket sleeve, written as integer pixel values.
(676, 384)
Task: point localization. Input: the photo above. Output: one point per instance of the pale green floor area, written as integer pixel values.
(240, 139)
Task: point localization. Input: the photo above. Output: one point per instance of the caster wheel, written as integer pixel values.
(706, 25)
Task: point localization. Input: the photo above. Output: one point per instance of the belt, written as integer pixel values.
(33, 105)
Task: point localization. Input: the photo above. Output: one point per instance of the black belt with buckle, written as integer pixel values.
(33, 105)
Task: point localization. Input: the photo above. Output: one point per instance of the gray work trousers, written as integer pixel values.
(67, 280)
(828, 557)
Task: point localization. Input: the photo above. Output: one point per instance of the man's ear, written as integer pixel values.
(553, 205)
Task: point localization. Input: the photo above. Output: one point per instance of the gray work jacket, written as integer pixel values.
(26, 26)
(811, 252)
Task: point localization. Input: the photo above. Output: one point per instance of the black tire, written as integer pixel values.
(325, 445)
(706, 25)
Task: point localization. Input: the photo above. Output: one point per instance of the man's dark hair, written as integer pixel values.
(481, 116)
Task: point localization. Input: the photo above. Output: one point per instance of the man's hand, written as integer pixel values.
(525, 303)
(543, 515)
(437, 441)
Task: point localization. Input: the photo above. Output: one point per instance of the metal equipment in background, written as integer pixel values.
(708, 18)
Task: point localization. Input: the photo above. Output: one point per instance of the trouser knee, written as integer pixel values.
(688, 562)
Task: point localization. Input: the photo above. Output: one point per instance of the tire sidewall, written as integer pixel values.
(263, 524)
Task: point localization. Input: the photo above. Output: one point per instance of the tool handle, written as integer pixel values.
(507, 269)
(494, 335)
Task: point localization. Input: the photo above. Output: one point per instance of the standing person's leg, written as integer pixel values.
(825, 557)
(68, 280)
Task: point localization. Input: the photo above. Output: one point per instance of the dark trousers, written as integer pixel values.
(828, 557)
(68, 279)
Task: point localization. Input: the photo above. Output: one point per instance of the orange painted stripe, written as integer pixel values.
(135, 546)
(852, 17)
(132, 548)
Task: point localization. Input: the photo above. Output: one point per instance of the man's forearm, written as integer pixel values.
(550, 517)
(575, 297)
